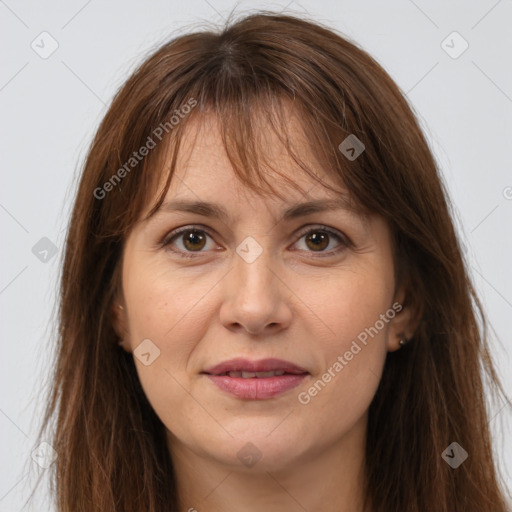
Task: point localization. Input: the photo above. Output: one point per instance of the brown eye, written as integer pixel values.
(188, 241)
(317, 240)
(193, 240)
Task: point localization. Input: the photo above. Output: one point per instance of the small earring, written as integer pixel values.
(119, 306)
(403, 341)
(120, 343)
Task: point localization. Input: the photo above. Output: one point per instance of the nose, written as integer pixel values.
(256, 298)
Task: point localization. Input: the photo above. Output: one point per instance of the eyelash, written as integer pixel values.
(166, 243)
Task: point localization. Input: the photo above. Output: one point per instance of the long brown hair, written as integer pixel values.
(112, 453)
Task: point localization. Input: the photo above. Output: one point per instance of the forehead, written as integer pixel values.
(205, 171)
(204, 182)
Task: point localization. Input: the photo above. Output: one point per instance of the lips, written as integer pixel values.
(252, 375)
(256, 380)
(246, 368)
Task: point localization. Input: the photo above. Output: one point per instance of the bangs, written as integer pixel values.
(251, 87)
(244, 127)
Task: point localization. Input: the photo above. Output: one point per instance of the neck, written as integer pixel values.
(327, 480)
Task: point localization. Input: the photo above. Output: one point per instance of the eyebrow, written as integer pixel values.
(216, 211)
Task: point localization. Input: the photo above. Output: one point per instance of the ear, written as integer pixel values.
(119, 320)
(407, 317)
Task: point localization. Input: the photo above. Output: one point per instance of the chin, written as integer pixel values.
(260, 446)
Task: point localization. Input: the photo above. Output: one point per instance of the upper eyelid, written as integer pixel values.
(189, 227)
(300, 232)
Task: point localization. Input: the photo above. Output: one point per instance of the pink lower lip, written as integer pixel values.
(256, 388)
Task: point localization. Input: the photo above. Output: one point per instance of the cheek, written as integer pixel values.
(172, 311)
(167, 309)
(166, 306)
(349, 304)
(355, 316)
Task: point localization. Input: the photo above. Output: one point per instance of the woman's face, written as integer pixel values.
(315, 290)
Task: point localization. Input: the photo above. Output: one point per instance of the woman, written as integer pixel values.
(264, 305)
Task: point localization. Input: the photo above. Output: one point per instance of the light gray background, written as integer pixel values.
(51, 108)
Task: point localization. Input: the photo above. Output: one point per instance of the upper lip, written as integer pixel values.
(263, 365)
